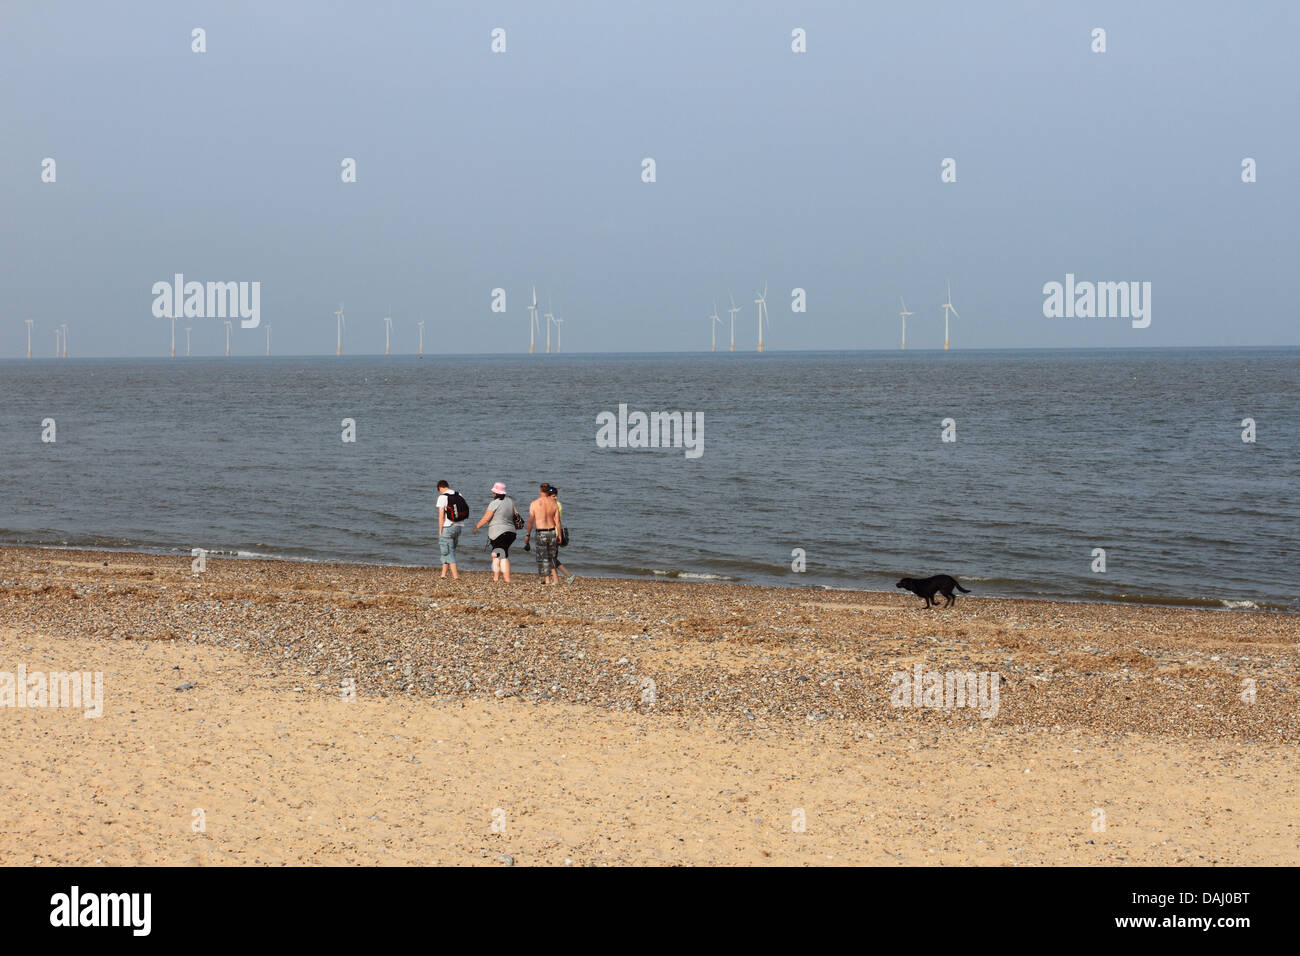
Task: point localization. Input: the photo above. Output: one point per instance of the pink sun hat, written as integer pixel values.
(499, 488)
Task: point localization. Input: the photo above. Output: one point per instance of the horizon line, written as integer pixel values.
(541, 356)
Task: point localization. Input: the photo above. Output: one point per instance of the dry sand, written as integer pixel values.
(527, 709)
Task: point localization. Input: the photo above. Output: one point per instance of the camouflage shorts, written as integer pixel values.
(548, 551)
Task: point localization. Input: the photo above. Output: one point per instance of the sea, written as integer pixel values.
(1118, 475)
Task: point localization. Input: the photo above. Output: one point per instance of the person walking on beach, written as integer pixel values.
(453, 510)
(544, 517)
(561, 535)
(500, 519)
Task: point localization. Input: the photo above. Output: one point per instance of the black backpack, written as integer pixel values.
(457, 507)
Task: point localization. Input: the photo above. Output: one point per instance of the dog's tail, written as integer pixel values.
(959, 587)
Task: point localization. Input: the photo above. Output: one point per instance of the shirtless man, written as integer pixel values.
(544, 518)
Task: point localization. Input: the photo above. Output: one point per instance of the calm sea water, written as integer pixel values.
(1057, 453)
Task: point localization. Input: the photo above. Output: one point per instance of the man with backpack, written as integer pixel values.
(453, 510)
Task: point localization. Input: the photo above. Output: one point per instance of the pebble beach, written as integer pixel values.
(360, 714)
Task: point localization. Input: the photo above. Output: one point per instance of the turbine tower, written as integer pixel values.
(227, 338)
(388, 330)
(904, 314)
(339, 316)
(268, 340)
(761, 301)
(420, 325)
(64, 327)
(173, 318)
(713, 324)
(733, 310)
(532, 323)
(558, 323)
(549, 319)
(29, 337)
(187, 342)
(947, 307)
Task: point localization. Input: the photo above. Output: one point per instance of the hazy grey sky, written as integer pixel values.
(818, 170)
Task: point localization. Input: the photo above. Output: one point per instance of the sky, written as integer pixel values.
(477, 171)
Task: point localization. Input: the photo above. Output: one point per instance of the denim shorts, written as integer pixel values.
(447, 543)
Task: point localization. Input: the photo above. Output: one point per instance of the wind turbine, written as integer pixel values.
(227, 338)
(339, 315)
(733, 310)
(173, 318)
(549, 319)
(558, 323)
(268, 340)
(532, 322)
(420, 325)
(388, 329)
(64, 327)
(904, 314)
(761, 301)
(187, 343)
(713, 324)
(29, 337)
(947, 307)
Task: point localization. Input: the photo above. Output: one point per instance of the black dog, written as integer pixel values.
(929, 587)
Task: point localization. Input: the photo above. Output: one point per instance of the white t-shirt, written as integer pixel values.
(442, 506)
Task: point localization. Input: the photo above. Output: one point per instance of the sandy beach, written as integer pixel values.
(621, 722)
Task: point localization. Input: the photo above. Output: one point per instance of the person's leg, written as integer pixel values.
(454, 534)
(553, 556)
(444, 553)
(560, 569)
(544, 556)
(507, 539)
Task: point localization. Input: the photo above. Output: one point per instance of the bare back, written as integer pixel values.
(544, 513)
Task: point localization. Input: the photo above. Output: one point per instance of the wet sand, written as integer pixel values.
(627, 722)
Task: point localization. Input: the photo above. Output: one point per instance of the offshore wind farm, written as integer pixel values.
(537, 319)
(549, 320)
